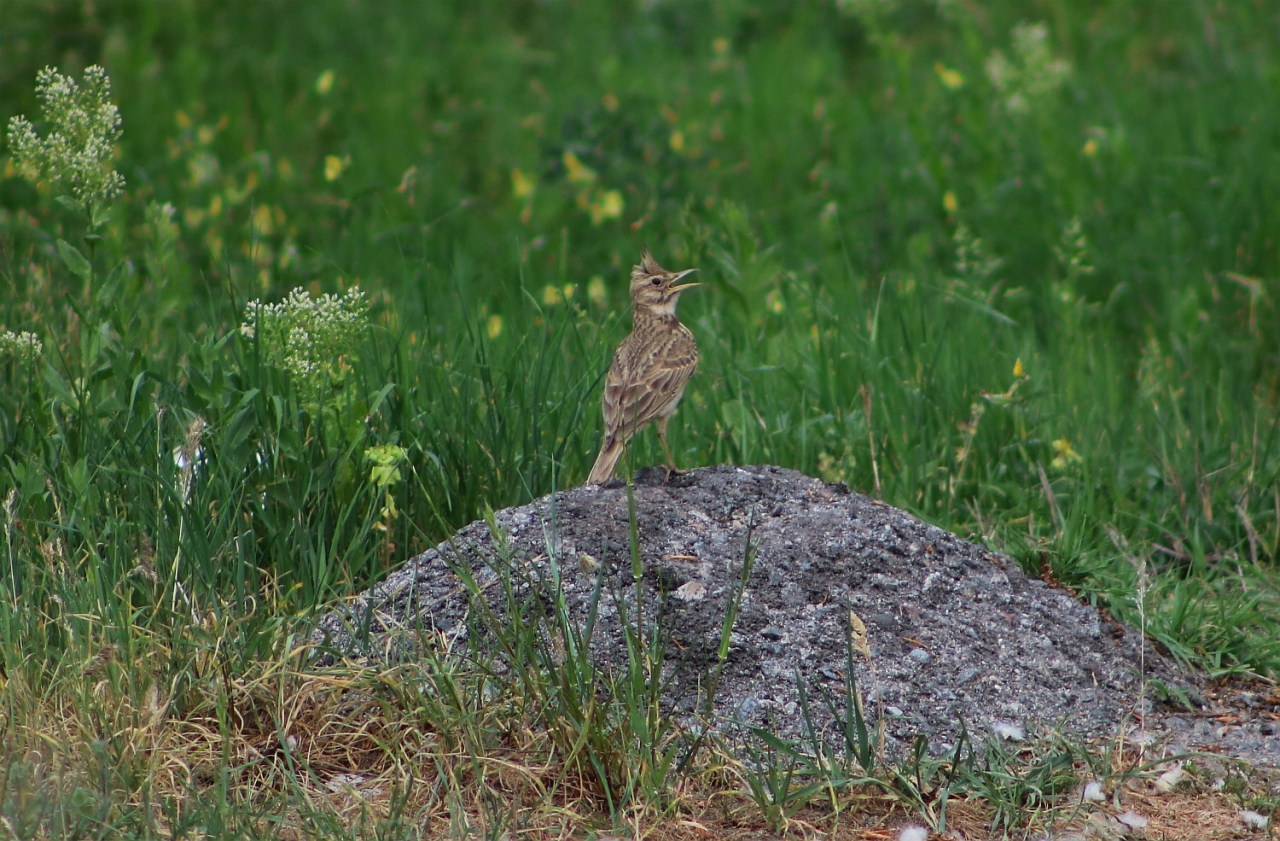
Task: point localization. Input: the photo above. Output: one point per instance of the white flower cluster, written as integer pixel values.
(973, 263)
(1072, 249)
(84, 126)
(24, 347)
(307, 336)
(1031, 74)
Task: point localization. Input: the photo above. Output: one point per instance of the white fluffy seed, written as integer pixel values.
(1008, 731)
(1169, 780)
(1254, 820)
(1133, 820)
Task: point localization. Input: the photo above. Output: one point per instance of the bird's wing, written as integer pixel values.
(638, 391)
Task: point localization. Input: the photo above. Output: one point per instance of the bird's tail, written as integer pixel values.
(606, 462)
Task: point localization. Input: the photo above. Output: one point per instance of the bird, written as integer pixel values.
(650, 369)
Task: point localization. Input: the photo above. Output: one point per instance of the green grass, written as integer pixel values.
(821, 168)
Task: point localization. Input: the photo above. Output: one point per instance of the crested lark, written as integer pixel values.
(650, 369)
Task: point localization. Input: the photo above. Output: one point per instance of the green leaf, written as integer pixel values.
(69, 203)
(74, 260)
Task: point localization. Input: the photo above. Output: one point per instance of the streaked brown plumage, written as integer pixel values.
(650, 369)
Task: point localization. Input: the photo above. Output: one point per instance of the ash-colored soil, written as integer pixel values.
(957, 633)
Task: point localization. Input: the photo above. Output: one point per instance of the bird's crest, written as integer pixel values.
(648, 265)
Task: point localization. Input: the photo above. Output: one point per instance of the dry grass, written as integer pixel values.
(432, 749)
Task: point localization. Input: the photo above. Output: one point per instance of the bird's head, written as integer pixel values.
(654, 289)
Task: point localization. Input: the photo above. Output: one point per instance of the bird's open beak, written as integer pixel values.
(683, 286)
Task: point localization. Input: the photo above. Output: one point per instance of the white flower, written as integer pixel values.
(83, 127)
(1032, 74)
(23, 347)
(307, 336)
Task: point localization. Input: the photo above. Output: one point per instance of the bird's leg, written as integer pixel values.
(672, 470)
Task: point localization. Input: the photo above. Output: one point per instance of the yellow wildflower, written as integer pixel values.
(596, 291)
(579, 173)
(333, 167)
(607, 205)
(1065, 455)
(551, 296)
(264, 223)
(677, 141)
(1018, 370)
(953, 79)
(324, 82)
(521, 184)
(494, 326)
(949, 202)
(1090, 148)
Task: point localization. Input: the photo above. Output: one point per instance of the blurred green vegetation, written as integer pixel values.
(488, 172)
(1013, 265)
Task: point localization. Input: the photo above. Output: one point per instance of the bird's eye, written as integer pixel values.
(656, 281)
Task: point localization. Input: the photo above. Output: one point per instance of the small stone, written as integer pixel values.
(919, 656)
(884, 621)
(691, 591)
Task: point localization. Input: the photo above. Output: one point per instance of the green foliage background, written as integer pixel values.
(820, 163)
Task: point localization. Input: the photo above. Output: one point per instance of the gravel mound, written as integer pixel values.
(956, 633)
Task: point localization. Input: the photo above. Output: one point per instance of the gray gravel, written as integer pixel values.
(956, 632)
